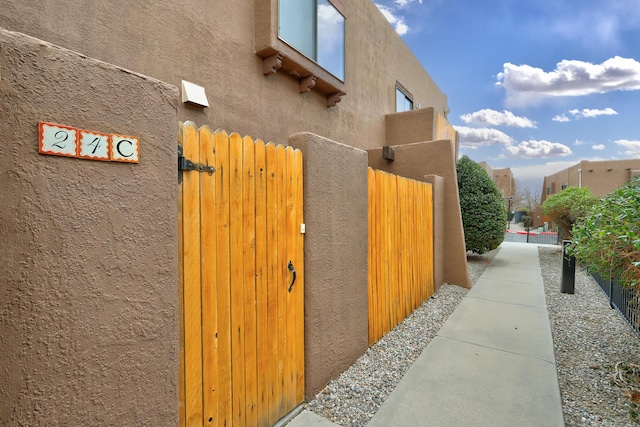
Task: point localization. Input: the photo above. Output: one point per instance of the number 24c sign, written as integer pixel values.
(60, 140)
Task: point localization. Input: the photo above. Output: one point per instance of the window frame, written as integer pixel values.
(407, 97)
(278, 55)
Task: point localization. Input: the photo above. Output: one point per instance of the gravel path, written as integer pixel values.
(589, 340)
(355, 396)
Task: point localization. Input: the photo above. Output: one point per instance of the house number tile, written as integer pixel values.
(58, 140)
(94, 145)
(61, 140)
(125, 149)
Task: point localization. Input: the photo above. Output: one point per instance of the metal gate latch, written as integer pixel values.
(185, 164)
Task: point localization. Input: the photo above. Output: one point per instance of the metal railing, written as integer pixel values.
(625, 300)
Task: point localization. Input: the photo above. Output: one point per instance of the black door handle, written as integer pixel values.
(293, 270)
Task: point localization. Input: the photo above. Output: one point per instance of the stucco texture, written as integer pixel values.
(88, 289)
(336, 296)
(212, 44)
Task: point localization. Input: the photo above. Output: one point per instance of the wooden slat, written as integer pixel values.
(192, 284)
(274, 385)
(291, 235)
(223, 278)
(237, 276)
(208, 233)
(181, 372)
(262, 342)
(282, 271)
(249, 282)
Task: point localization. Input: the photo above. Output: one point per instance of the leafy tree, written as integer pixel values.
(568, 206)
(607, 242)
(484, 216)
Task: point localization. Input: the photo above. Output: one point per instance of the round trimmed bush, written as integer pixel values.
(484, 216)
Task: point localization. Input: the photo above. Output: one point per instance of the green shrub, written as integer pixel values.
(567, 207)
(607, 242)
(527, 221)
(484, 216)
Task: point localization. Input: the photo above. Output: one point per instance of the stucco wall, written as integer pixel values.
(601, 177)
(211, 43)
(439, 214)
(88, 288)
(336, 239)
(434, 158)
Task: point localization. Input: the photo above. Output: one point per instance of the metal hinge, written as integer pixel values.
(185, 164)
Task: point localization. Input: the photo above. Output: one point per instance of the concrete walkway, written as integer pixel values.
(491, 364)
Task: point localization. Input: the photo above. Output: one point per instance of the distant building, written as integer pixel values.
(503, 178)
(601, 177)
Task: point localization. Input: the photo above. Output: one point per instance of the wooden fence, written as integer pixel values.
(242, 325)
(400, 249)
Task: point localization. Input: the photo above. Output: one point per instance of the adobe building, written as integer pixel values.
(601, 177)
(89, 308)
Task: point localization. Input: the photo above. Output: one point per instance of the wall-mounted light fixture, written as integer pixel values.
(194, 94)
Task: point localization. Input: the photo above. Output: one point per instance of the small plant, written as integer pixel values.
(527, 221)
(569, 206)
(484, 217)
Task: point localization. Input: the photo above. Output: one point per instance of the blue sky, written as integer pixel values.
(532, 85)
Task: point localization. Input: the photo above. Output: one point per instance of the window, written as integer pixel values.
(403, 101)
(316, 29)
(548, 190)
(563, 186)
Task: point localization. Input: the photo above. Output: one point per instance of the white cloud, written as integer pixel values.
(590, 113)
(633, 147)
(539, 149)
(598, 147)
(496, 118)
(526, 85)
(473, 138)
(403, 3)
(561, 118)
(397, 22)
(578, 142)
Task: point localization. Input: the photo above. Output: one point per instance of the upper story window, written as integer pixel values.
(563, 186)
(316, 29)
(548, 191)
(404, 101)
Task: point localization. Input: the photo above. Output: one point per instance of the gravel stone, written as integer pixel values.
(589, 339)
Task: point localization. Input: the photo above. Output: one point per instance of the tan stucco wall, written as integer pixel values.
(601, 177)
(434, 158)
(212, 44)
(88, 278)
(410, 126)
(439, 214)
(336, 239)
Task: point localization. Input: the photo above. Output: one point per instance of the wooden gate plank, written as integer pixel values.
(181, 373)
(281, 249)
(262, 342)
(291, 240)
(192, 284)
(249, 281)
(274, 385)
(208, 236)
(237, 288)
(223, 278)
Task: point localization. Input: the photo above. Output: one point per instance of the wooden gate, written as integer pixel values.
(242, 314)
(400, 249)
